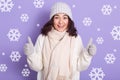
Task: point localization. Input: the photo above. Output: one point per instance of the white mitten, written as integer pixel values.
(29, 48)
(91, 48)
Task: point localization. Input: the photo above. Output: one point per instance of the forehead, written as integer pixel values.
(60, 14)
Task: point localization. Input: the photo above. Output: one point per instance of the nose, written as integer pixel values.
(60, 21)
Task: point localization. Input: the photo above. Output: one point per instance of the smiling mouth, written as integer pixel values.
(60, 26)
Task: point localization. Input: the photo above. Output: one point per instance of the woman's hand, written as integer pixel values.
(91, 48)
(29, 48)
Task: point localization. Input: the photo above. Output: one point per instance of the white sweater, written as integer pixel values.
(80, 59)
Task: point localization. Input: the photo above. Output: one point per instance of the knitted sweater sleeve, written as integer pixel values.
(35, 60)
(84, 58)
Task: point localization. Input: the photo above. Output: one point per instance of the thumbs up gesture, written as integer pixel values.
(29, 48)
(91, 48)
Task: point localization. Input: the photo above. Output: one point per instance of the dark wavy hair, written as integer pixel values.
(48, 26)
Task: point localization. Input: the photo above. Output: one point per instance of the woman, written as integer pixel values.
(58, 53)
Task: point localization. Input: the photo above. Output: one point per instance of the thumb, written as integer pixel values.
(29, 40)
(90, 42)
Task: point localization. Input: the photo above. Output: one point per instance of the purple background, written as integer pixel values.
(101, 26)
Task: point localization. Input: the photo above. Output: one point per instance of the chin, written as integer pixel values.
(61, 30)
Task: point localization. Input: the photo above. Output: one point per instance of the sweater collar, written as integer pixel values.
(54, 34)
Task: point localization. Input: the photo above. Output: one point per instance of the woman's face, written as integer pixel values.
(60, 22)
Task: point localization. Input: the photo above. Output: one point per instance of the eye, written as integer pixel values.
(56, 17)
(65, 17)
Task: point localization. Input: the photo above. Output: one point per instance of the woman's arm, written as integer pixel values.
(35, 59)
(84, 58)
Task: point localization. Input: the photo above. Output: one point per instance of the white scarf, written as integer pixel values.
(56, 55)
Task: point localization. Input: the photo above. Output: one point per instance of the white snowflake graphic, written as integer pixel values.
(3, 53)
(99, 40)
(24, 17)
(73, 5)
(26, 65)
(3, 67)
(98, 29)
(14, 35)
(96, 74)
(15, 56)
(6, 5)
(116, 33)
(38, 3)
(115, 7)
(25, 72)
(19, 7)
(114, 50)
(110, 58)
(38, 25)
(87, 21)
(106, 9)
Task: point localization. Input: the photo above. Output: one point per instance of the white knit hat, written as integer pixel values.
(60, 7)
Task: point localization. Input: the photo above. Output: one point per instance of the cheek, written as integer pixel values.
(66, 22)
(55, 22)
